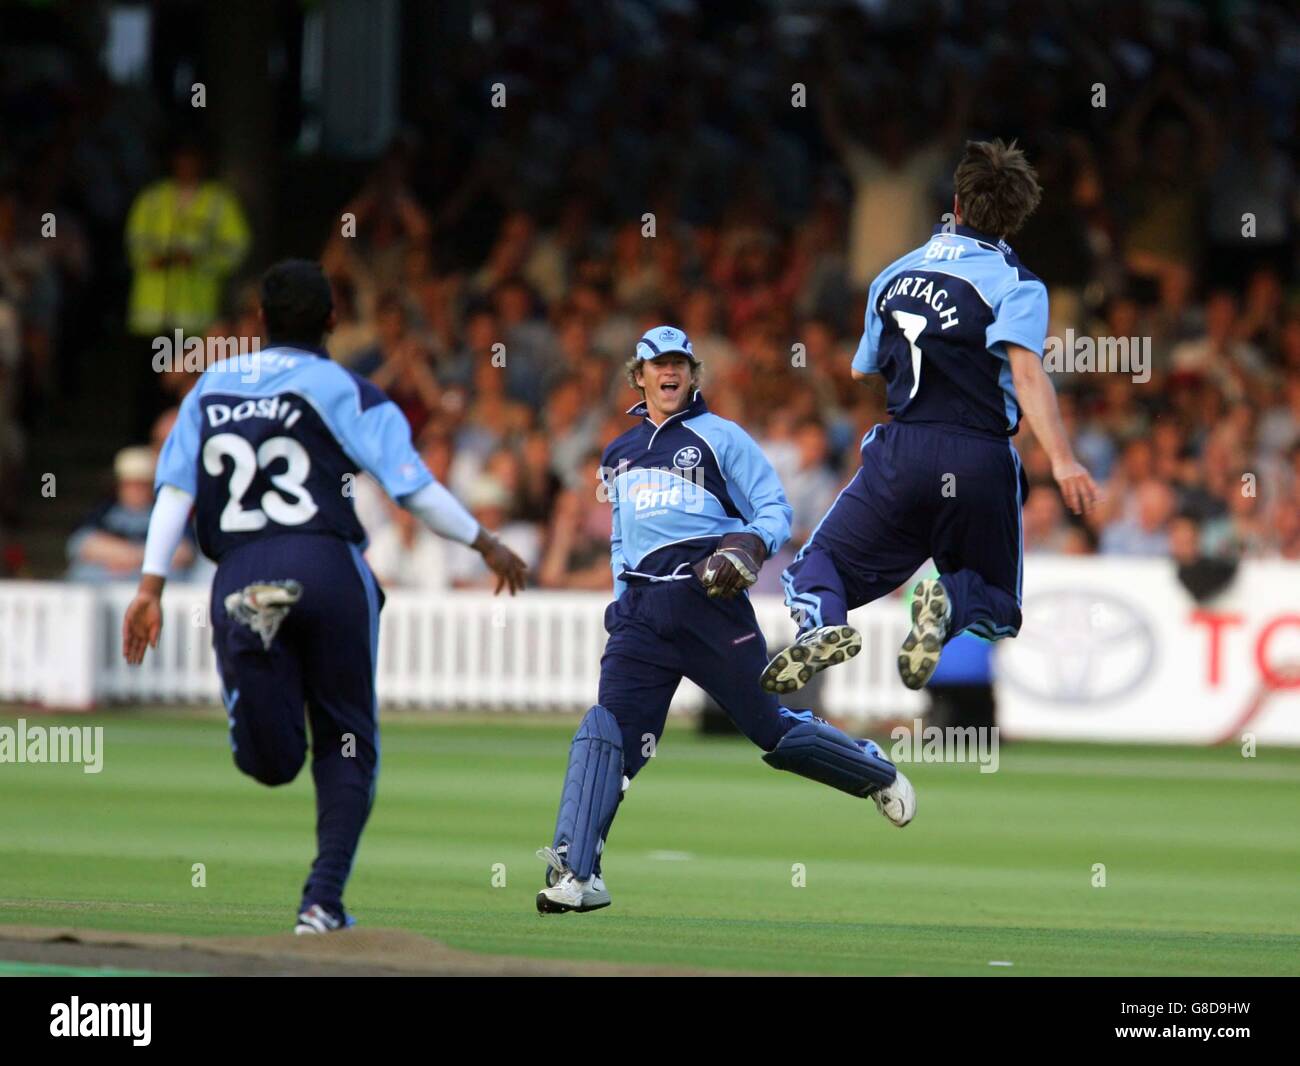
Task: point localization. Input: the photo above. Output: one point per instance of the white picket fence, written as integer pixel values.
(60, 645)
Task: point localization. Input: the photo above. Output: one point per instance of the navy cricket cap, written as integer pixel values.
(661, 340)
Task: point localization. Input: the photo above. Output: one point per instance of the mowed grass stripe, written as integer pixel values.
(1200, 878)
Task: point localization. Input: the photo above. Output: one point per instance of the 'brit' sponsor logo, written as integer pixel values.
(652, 490)
(647, 497)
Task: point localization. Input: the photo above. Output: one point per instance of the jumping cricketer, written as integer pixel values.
(957, 329)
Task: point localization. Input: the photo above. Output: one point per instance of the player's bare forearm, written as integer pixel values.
(143, 622)
(151, 585)
(1038, 401)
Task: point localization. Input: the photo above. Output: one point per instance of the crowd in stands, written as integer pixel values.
(746, 181)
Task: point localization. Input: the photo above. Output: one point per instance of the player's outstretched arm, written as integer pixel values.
(438, 509)
(380, 442)
(1038, 400)
(143, 621)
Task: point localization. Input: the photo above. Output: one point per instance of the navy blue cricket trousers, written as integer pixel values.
(924, 491)
(663, 631)
(320, 668)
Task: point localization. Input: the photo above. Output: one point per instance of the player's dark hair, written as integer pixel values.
(996, 187)
(296, 302)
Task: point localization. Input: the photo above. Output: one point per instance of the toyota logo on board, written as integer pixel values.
(1079, 647)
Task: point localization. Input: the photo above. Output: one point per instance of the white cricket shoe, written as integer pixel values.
(897, 802)
(810, 654)
(316, 919)
(570, 894)
(931, 615)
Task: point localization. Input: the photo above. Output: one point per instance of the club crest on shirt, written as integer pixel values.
(687, 458)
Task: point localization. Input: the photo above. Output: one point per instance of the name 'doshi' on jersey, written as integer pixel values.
(275, 408)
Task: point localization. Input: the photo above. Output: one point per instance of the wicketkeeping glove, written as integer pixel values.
(733, 566)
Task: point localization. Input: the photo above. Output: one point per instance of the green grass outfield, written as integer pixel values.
(1201, 849)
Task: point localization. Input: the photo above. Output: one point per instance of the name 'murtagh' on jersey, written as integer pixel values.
(937, 325)
(278, 451)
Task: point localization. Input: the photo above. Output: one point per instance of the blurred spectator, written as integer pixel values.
(406, 554)
(530, 350)
(109, 544)
(1165, 159)
(577, 546)
(1145, 530)
(162, 426)
(185, 235)
(1202, 575)
(29, 286)
(1220, 353)
(895, 175)
(571, 423)
(496, 267)
(379, 226)
(399, 364)
(812, 486)
(1045, 527)
(353, 337)
(489, 502)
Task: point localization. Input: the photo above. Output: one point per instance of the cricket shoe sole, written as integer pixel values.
(931, 614)
(897, 802)
(812, 653)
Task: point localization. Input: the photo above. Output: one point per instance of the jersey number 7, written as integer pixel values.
(911, 326)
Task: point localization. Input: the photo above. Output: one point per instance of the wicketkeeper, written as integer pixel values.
(697, 509)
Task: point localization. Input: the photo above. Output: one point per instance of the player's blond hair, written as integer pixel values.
(629, 369)
(996, 187)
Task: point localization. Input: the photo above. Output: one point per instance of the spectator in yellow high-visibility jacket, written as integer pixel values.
(185, 236)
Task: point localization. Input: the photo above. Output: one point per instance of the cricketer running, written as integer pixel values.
(697, 508)
(265, 460)
(957, 329)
